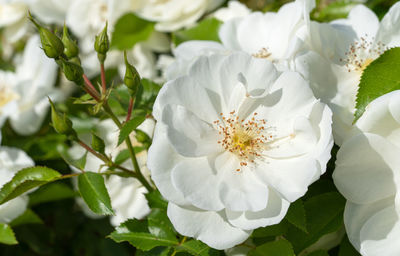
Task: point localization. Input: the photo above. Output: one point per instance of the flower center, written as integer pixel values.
(245, 139)
(6, 95)
(262, 54)
(362, 53)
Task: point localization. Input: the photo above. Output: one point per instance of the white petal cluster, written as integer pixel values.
(341, 50)
(24, 93)
(235, 142)
(126, 194)
(367, 174)
(11, 161)
(172, 15)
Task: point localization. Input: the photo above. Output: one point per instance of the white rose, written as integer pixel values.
(272, 36)
(342, 50)
(126, 194)
(11, 161)
(367, 174)
(13, 18)
(236, 141)
(235, 9)
(172, 15)
(35, 78)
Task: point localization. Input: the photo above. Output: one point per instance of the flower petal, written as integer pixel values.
(209, 227)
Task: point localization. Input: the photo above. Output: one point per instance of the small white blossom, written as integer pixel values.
(342, 49)
(367, 174)
(235, 9)
(235, 142)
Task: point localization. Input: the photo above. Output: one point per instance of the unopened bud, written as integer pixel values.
(51, 44)
(61, 123)
(98, 143)
(131, 78)
(70, 48)
(102, 44)
(73, 72)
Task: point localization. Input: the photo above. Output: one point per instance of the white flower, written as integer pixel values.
(8, 95)
(342, 50)
(172, 15)
(13, 18)
(34, 81)
(235, 142)
(367, 174)
(235, 9)
(272, 36)
(49, 11)
(126, 194)
(11, 161)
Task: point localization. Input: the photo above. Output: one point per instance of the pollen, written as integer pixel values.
(247, 139)
(262, 54)
(362, 53)
(6, 95)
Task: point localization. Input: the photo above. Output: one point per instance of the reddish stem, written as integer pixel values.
(129, 109)
(91, 88)
(103, 78)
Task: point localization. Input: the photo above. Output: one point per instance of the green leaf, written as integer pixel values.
(195, 247)
(205, 30)
(79, 163)
(25, 180)
(156, 200)
(347, 249)
(280, 247)
(318, 253)
(296, 215)
(137, 234)
(7, 235)
(51, 192)
(147, 95)
(157, 251)
(274, 230)
(94, 193)
(129, 127)
(380, 77)
(334, 10)
(129, 30)
(160, 225)
(324, 214)
(122, 156)
(28, 217)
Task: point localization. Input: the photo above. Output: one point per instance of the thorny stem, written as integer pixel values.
(128, 116)
(103, 78)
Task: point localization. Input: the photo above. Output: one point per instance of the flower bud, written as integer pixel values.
(52, 45)
(70, 48)
(61, 123)
(131, 78)
(102, 44)
(98, 143)
(73, 72)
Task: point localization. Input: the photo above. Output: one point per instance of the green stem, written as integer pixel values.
(132, 155)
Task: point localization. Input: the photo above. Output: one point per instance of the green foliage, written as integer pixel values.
(129, 127)
(129, 30)
(137, 233)
(318, 253)
(147, 95)
(155, 200)
(324, 214)
(51, 192)
(28, 217)
(296, 215)
(98, 144)
(380, 77)
(94, 193)
(195, 247)
(327, 11)
(279, 247)
(7, 235)
(346, 249)
(205, 30)
(25, 180)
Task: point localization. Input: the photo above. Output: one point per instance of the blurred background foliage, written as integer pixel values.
(56, 226)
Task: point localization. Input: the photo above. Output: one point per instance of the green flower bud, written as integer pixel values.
(131, 78)
(98, 143)
(51, 44)
(61, 123)
(70, 48)
(73, 72)
(102, 44)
